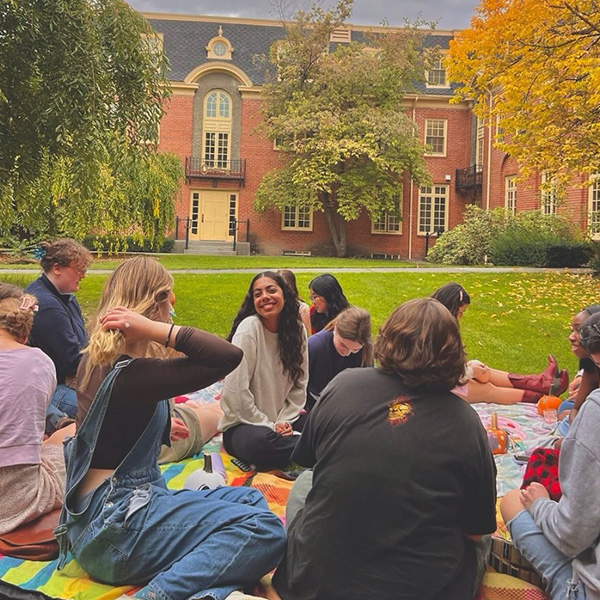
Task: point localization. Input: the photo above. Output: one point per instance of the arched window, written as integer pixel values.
(216, 128)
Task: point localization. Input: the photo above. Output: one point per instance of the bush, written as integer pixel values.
(468, 243)
(527, 239)
(128, 243)
(523, 249)
(594, 263)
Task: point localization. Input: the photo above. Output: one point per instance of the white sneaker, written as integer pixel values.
(237, 595)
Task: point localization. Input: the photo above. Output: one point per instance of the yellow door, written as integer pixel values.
(214, 216)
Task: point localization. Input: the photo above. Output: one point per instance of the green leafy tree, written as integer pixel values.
(337, 111)
(81, 96)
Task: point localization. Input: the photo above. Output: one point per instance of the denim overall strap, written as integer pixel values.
(79, 450)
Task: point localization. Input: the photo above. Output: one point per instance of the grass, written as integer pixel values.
(176, 262)
(513, 322)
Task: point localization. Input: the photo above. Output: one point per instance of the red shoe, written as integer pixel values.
(560, 383)
(550, 381)
(531, 397)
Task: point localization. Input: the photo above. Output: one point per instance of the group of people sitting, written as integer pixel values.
(390, 505)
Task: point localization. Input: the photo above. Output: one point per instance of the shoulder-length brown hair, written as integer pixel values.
(420, 342)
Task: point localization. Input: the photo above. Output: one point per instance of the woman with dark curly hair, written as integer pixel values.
(263, 397)
(404, 479)
(328, 301)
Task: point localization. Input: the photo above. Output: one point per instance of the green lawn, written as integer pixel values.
(514, 321)
(189, 261)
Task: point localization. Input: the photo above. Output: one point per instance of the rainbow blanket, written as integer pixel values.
(72, 583)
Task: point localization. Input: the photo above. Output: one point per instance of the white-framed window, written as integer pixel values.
(389, 222)
(219, 47)
(436, 76)
(548, 194)
(435, 136)
(232, 213)
(341, 35)
(510, 193)
(499, 126)
(433, 209)
(594, 206)
(296, 218)
(479, 144)
(216, 130)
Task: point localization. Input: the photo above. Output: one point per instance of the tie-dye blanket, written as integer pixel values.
(527, 431)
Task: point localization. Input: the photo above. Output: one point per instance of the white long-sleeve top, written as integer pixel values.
(259, 392)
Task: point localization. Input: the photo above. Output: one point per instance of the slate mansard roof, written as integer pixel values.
(185, 40)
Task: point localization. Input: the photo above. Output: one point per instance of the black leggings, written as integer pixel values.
(261, 446)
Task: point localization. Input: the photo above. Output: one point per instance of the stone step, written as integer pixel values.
(209, 244)
(210, 251)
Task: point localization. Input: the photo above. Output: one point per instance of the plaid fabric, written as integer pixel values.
(497, 586)
(542, 467)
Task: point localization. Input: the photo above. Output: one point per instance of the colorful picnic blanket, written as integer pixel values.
(526, 431)
(72, 583)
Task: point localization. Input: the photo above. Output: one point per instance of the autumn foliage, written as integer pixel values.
(532, 68)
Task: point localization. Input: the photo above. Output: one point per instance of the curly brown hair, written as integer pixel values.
(420, 341)
(64, 252)
(13, 319)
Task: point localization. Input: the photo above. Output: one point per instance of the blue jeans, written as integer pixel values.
(179, 544)
(65, 400)
(182, 544)
(554, 566)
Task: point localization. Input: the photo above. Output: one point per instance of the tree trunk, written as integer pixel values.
(337, 225)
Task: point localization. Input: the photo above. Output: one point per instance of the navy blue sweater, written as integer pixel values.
(58, 328)
(324, 363)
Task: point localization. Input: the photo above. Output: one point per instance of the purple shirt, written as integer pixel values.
(27, 382)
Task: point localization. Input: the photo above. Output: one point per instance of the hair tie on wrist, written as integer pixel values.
(169, 335)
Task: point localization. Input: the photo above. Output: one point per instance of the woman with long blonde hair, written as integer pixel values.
(123, 525)
(32, 473)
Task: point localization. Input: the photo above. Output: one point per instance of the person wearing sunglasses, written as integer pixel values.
(58, 328)
(344, 343)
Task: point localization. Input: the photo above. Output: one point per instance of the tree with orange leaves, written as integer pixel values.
(533, 66)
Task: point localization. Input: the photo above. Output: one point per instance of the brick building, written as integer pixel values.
(211, 121)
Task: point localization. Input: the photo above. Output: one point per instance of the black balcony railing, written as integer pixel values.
(198, 168)
(469, 179)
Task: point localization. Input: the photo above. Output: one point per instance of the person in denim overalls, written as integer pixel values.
(123, 526)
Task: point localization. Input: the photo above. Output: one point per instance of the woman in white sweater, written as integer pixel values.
(263, 397)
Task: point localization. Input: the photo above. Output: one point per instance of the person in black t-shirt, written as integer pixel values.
(404, 479)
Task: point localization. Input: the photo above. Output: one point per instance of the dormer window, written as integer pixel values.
(219, 47)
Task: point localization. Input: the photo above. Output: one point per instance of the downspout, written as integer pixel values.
(489, 158)
(412, 186)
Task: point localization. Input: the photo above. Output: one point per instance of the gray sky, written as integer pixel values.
(449, 14)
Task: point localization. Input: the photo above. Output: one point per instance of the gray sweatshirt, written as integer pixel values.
(573, 523)
(258, 392)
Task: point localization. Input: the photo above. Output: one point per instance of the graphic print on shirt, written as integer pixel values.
(400, 410)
